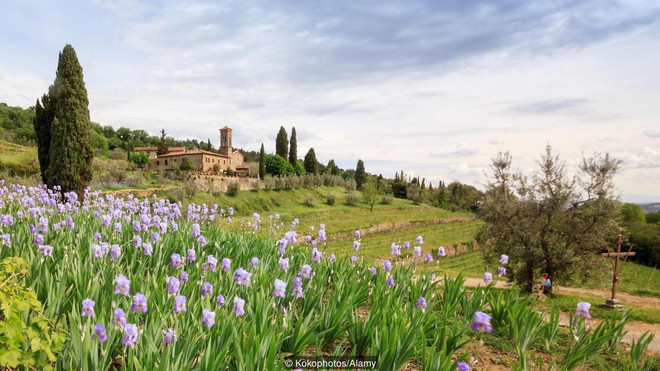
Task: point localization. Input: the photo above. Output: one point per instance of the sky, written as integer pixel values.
(434, 88)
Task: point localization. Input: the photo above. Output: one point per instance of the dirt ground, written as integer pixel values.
(635, 329)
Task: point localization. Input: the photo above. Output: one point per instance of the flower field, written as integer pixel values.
(144, 284)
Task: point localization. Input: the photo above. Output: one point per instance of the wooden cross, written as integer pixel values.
(615, 271)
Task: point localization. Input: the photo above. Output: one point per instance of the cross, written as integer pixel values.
(613, 303)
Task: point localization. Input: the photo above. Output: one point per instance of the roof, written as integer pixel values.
(145, 149)
(176, 149)
(193, 152)
(226, 128)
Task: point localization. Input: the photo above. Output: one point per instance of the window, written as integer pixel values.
(165, 162)
(174, 160)
(157, 163)
(224, 162)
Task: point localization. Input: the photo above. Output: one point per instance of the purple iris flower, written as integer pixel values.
(147, 249)
(201, 240)
(119, 317)
(155, 237)
(501, 271)
(315, 244)
(297, 287)
(87, 308)
(462, 366)
(173, 284)
(481, 322)
(332, 258)
(421, 303)
(306, 271)
(354, 259)
(139, 303)
(387, 266)
(176, 261)
(504, 259)
(179, 304)
(284, 264)
(6, 239)
(46, 250)
(583, 309)
(183, 277)
(238, 307)
(428, 258)
(220, 300)
(357, 233)
(130, 335)
(406, 244)
(390, 282)
(137, 241)
(356, 245)
(280, 288)
(122, 285)
(420, 240)
(99, 332)
(207, 288)
(417, 251)
(196, 231)
(191, 255)
(254, 262)
(169, 336)
(396, 249)
(97, 251)
(322, 235)
(441, 251)
(373, 271)
(242, 277)
(226, 264)
(317, 256)
(488, 277)
(115, 252)
(211, 263)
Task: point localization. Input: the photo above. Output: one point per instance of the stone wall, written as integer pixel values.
(220, 183)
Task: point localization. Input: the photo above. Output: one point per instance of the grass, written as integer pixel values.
(17, 154)
(568, 303)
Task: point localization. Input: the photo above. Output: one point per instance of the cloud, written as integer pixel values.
(551, 106)
(460, 150)
(652, 133)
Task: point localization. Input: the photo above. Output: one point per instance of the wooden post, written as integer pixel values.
(613, 303)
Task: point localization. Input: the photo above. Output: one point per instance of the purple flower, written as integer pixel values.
(139, 303)
(176, 261)
(441, 251)
(173, 284)
(6, 239)
(220, 300)
(583, 309)
(396, 249)
(462, 366)
(119, 317)
(428, 258)
(297, 287)
(155, 237)
(373, 271)
(421, 303)
(284, 264)
(417, 251)
(98, 236)
(137, 241)
(99, 332)
(354, 259)
(254, 262)
(201, 240)
(242, 277)
(115, 252)
(169, 336)
(504, 259)
(207, 288)
(306, 271)
(481, 322)
(184, 277)
(406, 244)
(87, 308)
(179, 304)
(130, 335)
(280, 288)
(317, 256)
(420, 240)
(488, 277)
(122, 285)
(356, 245)
(332, 258)
(322, 235)
(46, 250)
(226, 264)
(387, 266)
(191, 255)
(390, 282)
(501, 271)
(147, 249)
(208, 318)
(211, 263)
(238, 307)
(97, 251)
(357, 233)
(196, 231)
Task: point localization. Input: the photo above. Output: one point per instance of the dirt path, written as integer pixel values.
(634, 328)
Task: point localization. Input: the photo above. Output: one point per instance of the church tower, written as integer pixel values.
(225, 141)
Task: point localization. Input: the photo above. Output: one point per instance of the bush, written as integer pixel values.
(330, 200)
(140, 159)
(233, 188)
(386, 200)
(309, 202)
(350, 185)
(352, 199)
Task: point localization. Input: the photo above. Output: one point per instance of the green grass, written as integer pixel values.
(17, 154)
(568, 303)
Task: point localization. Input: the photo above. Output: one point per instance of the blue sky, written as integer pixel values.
(435, 88)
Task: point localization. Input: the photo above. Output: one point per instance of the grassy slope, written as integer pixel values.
(14, 153)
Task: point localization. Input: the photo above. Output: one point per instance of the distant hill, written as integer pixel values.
(652, 207)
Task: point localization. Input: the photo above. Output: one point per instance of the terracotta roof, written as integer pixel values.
(176, 149)
(193, 152)
(145, 149)
(226, 127)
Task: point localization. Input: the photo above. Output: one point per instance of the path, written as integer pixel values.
(634, 328)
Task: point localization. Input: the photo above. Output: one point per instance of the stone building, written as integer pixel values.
(153, 151)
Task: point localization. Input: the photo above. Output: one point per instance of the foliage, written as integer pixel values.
(278, 166)
(371, 192)
(16, 124)
(360, 174)
(310, 162)
(63, 129)
(186, 165)
(553, 223)
(233, 188)
(163, 148)
(332, 168)
(653, 218)
(27, 338)
(633, 214)
(293, 149)
(330, 200)
(352, 199)
(282, 144)
(140, 159)
(262, 162)
(299, 168)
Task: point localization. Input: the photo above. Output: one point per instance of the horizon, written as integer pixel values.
(434, 89)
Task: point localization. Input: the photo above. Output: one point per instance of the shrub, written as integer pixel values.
(330, 200)
(233, 188)
(352, 199)
(309, 202)
(386, 200)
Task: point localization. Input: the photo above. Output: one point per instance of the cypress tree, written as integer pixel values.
(311, 165)
(360, 174)
(43, 118)
(282, 143)
(293, 149)
(262, 162)
(70, 153)
(208, 145)
(162, 145)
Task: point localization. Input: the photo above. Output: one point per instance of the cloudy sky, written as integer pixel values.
(435, 88)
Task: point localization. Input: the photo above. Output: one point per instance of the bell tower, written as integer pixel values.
(225, 141)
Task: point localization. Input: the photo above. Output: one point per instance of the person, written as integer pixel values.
(546, 285)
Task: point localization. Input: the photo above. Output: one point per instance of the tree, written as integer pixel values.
(293, 148)
(186, 165)
(552, 223)
(262, 162)
(282, 143)
(371, 192)
(332, 168)
(277, 166)
(633, 214)
(360, 174)
(653, 218)
(63, 128)
(209, 147)
(162, 144)
(140, 159)
(311, 164)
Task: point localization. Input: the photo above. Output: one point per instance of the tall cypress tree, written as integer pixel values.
(293, 149)
(162, 144)
(43, 118)
(282, 143)
(310, 162)
(360, 174)
(70, 153)
(262, 162)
